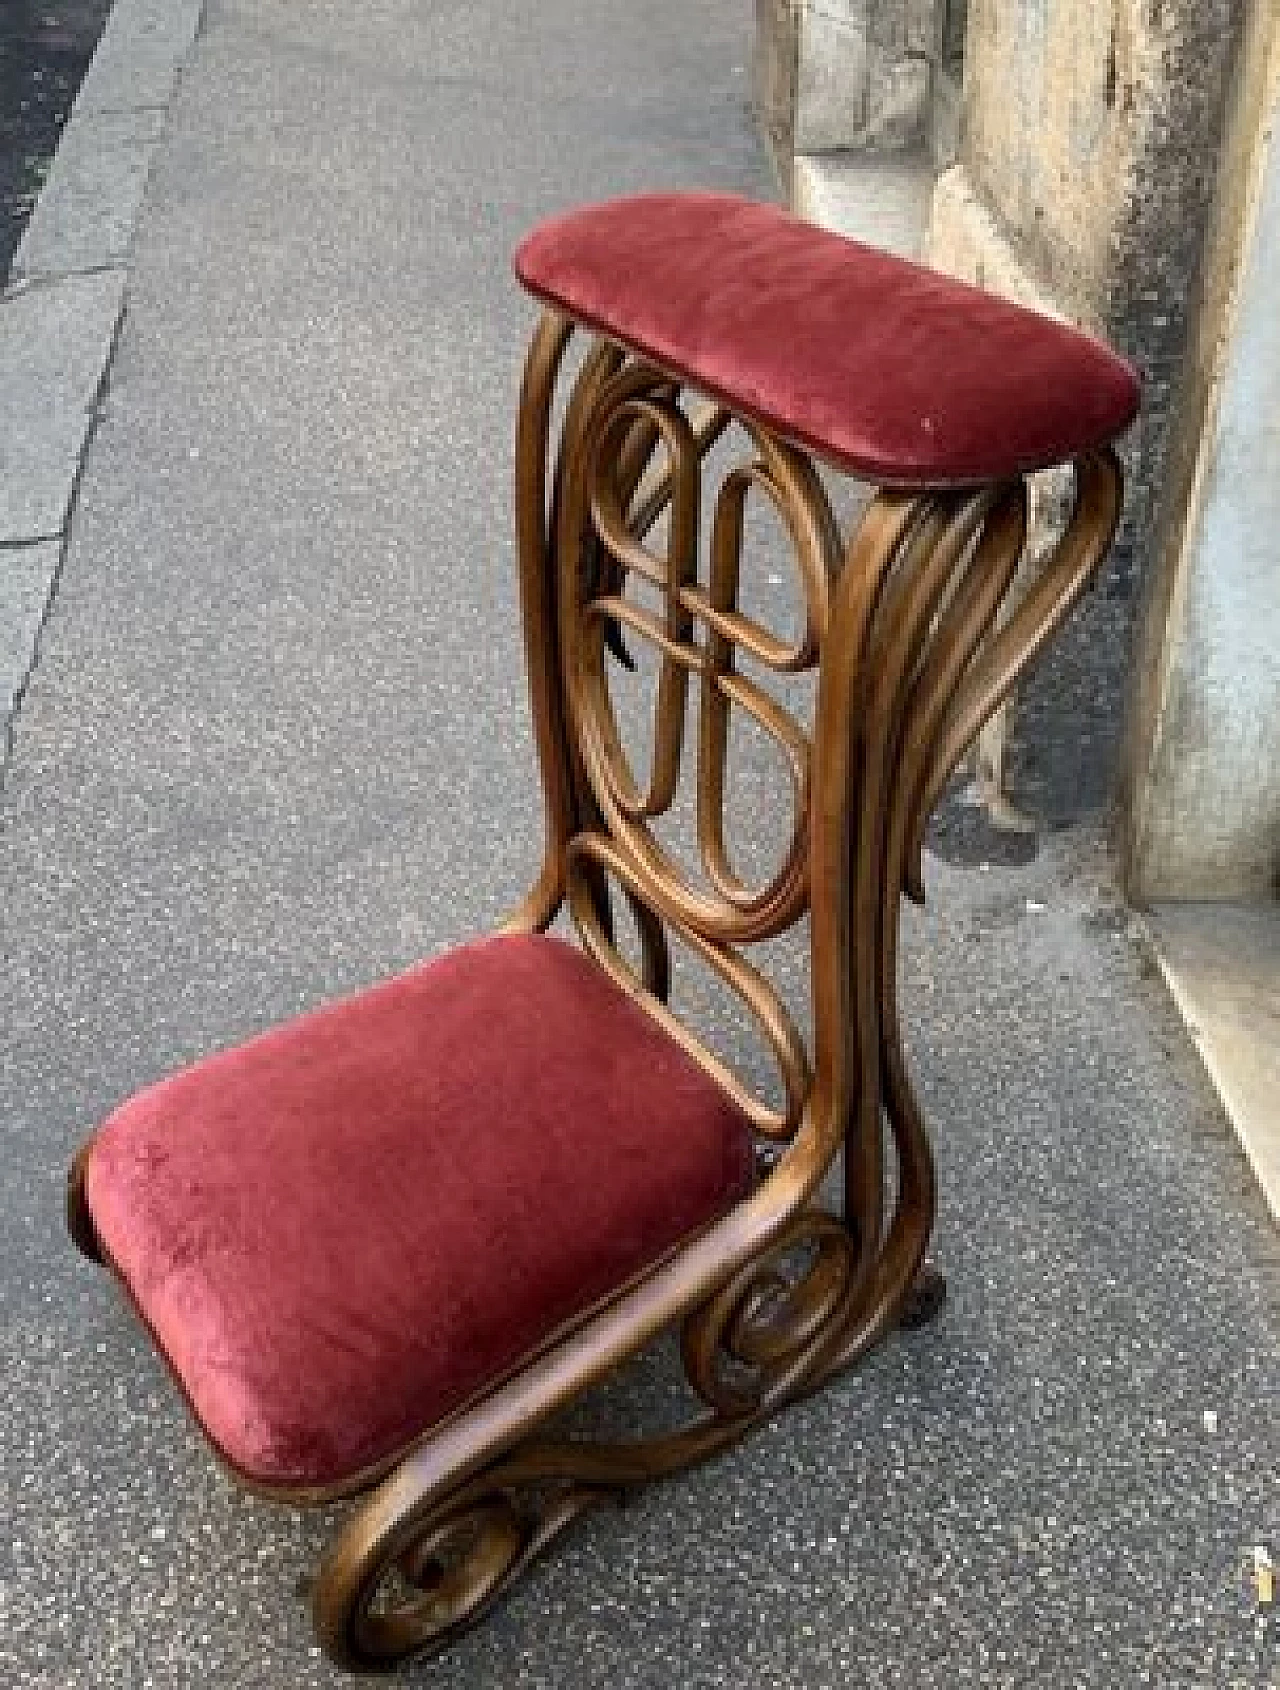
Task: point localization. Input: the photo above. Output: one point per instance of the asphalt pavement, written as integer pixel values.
(275, 746)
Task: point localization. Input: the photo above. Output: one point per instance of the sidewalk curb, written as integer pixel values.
(1221, 965)
(61, 314)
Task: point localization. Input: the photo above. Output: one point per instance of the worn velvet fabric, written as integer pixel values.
(340, 1231)
(894, 372)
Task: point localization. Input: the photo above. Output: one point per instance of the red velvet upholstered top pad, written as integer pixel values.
(343, 1229)
(896, 373)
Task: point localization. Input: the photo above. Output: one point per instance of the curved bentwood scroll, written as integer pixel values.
(902, 628)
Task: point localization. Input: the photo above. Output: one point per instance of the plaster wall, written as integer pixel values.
(1204, 808)
(1090, 137)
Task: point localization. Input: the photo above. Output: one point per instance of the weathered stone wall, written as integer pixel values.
(832, 75)
(1090, 142)
(1202, 802)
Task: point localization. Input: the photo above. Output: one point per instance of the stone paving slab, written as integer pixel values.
(85, 217)
(60, 316)
(142, 46)
(1222, 964)
(55, 342)
(27, 574)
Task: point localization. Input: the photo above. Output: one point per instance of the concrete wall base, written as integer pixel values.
(1203, 817)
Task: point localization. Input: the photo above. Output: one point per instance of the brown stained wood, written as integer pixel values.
(902, 627)
(777, 1296)
(79, 1220)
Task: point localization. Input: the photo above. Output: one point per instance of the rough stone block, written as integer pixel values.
(887, 26)
(955, 25)
(837, 74)
(897, 102)
(831, 79)
(854, 13)
(926, 23)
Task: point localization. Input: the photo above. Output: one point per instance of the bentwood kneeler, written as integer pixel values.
(381, 1246)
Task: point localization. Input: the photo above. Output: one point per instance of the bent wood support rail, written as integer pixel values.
(901, 625)
(906, 680)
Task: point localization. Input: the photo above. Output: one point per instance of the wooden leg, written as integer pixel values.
(925, 1299)
(79, 1220)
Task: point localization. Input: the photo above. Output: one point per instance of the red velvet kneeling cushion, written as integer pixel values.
(340, 1231)
(894, 372)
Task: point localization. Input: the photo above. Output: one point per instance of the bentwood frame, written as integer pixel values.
(902, 626)
(911, 630)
